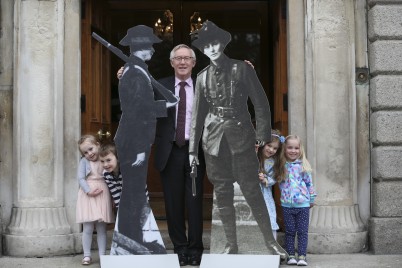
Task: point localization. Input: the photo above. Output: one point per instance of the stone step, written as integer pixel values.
(206, 238)
(162, 224)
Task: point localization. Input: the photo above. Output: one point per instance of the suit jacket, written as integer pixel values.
(229, 85)
(165, 128)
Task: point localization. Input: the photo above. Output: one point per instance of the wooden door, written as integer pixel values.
(255, 37)
(280, 98)
(280, 121)
(95, 71)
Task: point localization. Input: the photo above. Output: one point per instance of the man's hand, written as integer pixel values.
(192, 158)
(120, 72)
(139, 160)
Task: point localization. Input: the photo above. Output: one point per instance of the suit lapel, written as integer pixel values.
(172, 112)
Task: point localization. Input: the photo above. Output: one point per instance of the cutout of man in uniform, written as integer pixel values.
(135, 226)
(220, 115)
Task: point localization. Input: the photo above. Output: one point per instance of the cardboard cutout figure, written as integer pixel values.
(220, 115)
(136, 231)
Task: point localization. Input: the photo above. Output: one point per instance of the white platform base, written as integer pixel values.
(143, 261)
(239, 261)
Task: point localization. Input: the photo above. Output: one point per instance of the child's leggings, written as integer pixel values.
(296, 221)
(87, 231)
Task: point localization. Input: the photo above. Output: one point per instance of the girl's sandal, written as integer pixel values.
(86, 261)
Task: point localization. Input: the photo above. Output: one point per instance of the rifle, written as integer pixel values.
(167, 94)
(193, 175)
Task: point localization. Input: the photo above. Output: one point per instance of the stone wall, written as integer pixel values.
(385, 61)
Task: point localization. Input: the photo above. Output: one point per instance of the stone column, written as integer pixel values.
(38, 225)
(330, 120)
(6, 100)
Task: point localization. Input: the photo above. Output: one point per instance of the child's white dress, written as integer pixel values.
(98, 208)
(267, 192)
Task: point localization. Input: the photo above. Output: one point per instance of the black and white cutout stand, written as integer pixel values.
(239, 261)
(141, 261)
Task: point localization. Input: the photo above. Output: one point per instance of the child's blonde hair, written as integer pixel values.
(88, 137)
(280, 172)
(275, 136)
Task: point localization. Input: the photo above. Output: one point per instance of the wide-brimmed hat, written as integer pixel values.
(209, 32)
(140, 36)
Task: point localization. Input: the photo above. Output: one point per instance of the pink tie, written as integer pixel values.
(181, 116)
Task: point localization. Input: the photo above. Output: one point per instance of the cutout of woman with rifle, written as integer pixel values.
(221, 119)
(136, 231)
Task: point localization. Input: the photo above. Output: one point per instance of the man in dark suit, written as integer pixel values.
(221, 117)
(172, 160)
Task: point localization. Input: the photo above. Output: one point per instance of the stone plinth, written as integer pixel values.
(336, 230)
(38, 232)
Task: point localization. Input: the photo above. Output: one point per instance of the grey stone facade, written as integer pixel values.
(358, 124)
(385, 61)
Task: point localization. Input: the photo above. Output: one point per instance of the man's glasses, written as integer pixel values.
(179, 59)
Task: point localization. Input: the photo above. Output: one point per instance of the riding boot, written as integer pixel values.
(272, 245)
(228, 218)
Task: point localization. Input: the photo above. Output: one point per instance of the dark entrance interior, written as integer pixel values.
(258, 31)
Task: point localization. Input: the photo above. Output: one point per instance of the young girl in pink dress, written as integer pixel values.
(94, 203)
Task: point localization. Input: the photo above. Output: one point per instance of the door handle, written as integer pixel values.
(100, 133)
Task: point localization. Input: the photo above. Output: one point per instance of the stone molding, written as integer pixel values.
(336, 219)
(336, 230)
(38, 221)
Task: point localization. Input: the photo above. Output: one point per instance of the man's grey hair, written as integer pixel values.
(181, 46)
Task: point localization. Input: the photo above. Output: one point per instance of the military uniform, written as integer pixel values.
(228, 137)
(220, 115)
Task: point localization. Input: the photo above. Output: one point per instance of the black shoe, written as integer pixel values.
(230, 249)
(183, 259)
(194, 259)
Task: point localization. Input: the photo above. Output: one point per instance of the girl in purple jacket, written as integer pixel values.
(293, 172)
